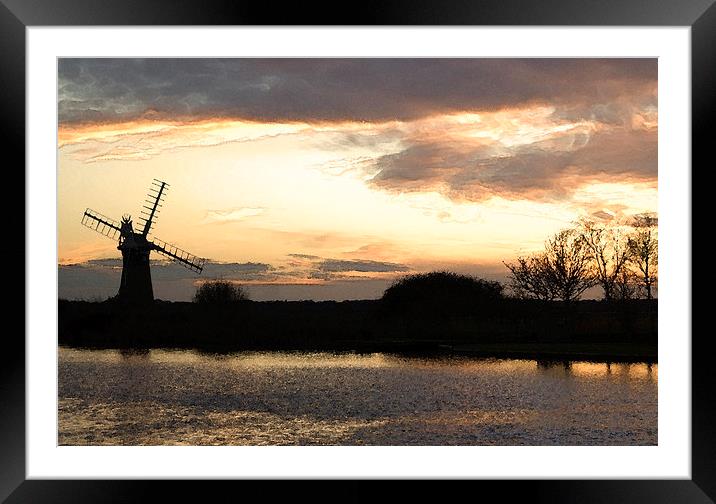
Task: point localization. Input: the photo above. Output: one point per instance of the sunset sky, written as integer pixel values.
(327, 178)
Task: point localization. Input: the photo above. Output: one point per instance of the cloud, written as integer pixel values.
(172, 270)
(481, 132)
(602, 215)
(362, 266)
(231, 214)
(470, 129)
(548, 169)
(304, 256)
(328, 269)
(140, 140)
(101, 263)
(249, 271)
(380, 89)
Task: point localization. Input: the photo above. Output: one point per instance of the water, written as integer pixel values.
(187, 398)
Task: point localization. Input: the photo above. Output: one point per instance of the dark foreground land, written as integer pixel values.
(585, 330)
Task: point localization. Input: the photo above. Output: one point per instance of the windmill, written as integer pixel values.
(136, 283)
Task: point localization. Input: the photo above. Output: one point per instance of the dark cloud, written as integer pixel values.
(329, 269)
(361, 266)
(174, 271)
(304, 256)
(107, 263)
(237, 271)
(335, 89)
(611, 104)
(550, 169)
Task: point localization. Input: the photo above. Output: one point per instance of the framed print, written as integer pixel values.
(419, 243)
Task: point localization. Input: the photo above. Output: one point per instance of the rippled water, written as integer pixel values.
(183, 397)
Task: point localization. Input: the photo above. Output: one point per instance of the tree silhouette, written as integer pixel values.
(530, 278)
(440, 292)
(609, 255)
(644, 250)
(626, 285)
(219, 292)
(563, 271)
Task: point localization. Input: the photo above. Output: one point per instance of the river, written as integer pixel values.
(172, 397)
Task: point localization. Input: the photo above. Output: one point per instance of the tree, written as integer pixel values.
(626, 285)
(563, 271)
(219, 292)
(644, 250)
(440, 292)
(568, 262)
(609, 255)
(529, 278)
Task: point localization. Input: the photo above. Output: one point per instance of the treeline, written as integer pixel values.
(425, 312)
(621, 259)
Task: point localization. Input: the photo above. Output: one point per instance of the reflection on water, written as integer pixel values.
(595, 369)
(154, 397)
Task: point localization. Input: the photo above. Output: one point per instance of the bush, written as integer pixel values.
(219, 292)
(441, 292)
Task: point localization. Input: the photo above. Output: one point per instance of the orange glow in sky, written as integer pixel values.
(313, 198)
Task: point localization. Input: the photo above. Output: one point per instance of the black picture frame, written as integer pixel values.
(17, 15)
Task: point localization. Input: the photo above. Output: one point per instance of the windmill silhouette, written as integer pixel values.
(136, 283)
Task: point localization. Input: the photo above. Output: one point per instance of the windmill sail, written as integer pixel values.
(102, 224)
(152, 206)
(183, 257)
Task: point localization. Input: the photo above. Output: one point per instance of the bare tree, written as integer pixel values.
(610, 254)
(626, 285)
(563, 271)
(568, 261)
(529, 278)
(644, 250)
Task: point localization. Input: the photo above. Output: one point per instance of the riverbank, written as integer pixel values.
(604, 352)
(587, 330)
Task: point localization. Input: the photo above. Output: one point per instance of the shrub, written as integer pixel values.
(219, 292)
(440, 292)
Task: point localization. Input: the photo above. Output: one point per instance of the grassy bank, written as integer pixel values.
(597, 352)
(588, 330)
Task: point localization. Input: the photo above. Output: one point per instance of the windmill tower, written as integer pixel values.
(136, 284)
